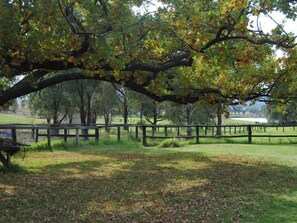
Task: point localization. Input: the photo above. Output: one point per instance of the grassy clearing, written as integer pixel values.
(19, 119)
(126, 182)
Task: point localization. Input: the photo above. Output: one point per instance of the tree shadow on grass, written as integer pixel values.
(181, 187)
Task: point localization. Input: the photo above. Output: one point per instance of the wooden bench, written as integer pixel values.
(10, 148)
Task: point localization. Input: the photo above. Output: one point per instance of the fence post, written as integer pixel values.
(13, 135)
(65, 135)
(136, 132)
(119, 133)
(33, 133)
(36, 135)
(144, 135)
(165, 130)
(249, 128)
(197, 134)
(178, 131)
(97, 134)
(48, 137)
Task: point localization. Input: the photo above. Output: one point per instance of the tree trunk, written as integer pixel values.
(125, 113)
(56, 118)
(89, 112)
(189, 118)
(83, 117)
(94, 118)
(55, 122)
(141, 113)
(107, 121)
(220, 119)
(70, 117)
(155, 120)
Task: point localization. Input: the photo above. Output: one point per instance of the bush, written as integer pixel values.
(171, 143)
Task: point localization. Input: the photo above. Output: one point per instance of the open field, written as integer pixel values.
(27, 119)
(125, 182)
(20, 119)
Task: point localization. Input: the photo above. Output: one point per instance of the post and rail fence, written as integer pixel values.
(13, 136)
(144, 132)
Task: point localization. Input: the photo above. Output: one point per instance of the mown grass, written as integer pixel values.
(20, 119)
(126, 182)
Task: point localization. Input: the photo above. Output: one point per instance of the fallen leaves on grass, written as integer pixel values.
(183, 187)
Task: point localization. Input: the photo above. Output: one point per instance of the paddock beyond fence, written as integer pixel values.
(34, 133)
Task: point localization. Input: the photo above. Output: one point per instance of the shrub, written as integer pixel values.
(171, 143)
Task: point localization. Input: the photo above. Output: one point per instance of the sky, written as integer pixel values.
(266, 23)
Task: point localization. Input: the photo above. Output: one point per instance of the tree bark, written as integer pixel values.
(107, 121)
(189, 118)
(125, 113)
(220, 110)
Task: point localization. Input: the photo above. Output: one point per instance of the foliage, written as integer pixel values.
(184, 52)
(281, 108)
(283, 113)
(51, 103)
(170, 143)
(105, 102)
(82, 93)
(200, 113)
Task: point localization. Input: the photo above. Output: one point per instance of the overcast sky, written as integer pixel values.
(266, 23)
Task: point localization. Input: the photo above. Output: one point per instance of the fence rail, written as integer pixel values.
(145, 132)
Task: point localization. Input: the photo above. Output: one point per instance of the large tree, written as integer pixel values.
(183, 52)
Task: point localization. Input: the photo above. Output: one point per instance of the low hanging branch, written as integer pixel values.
(157, 46)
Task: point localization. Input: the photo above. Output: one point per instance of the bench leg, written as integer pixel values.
(8, 159)
(4, 161)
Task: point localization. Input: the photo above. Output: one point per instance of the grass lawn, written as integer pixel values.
(128, 183)
(20, 119)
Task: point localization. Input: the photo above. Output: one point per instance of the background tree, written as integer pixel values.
(81, 93)
(124, 98)
(282, 113)
(51, 103)
(191, 114)
(105, 102)
(153, 112)
(282, 102)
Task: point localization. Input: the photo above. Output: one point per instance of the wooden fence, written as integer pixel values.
(78, 132)
(199, 132)
(145, 132)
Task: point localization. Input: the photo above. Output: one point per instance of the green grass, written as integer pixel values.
(125, 182)
(22, 119)
(19, 119)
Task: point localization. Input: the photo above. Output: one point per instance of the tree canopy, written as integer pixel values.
(184, 51)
